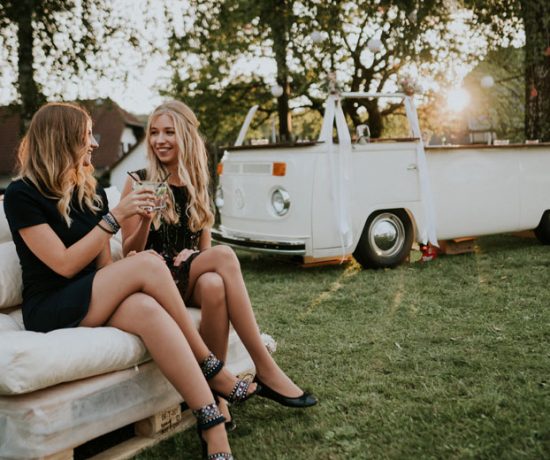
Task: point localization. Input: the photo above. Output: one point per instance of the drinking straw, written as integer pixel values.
(132, 176)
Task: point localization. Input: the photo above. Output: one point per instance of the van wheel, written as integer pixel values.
(542, 232)
(386, 240)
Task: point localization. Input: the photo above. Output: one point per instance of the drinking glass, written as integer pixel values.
(158, 188)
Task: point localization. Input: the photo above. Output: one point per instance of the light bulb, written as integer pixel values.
(277, 90)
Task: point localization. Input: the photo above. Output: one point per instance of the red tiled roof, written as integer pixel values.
(109, 123)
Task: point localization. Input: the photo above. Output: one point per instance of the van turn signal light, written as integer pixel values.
(279, 169)
(219, 169)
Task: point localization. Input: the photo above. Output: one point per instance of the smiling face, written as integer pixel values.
(90, 144)
(162, 138)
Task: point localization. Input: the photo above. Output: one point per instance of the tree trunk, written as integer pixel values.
(278, 19)
(375, 119)
(31, 98)
(535, 15)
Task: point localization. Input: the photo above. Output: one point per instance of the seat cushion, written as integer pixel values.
(11, 281)
(32, 360)
(5, 234)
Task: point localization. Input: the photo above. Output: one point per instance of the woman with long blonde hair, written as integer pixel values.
(208, 277)
(61, 226)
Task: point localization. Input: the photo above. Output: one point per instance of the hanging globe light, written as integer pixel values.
(277, 90)
(316, 36)
(375, 45)
(487, 81)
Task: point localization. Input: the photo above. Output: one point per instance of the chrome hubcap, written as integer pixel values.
(386, 235)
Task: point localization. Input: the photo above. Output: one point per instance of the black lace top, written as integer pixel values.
(170, 239)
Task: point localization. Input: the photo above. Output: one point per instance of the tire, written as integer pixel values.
(542, 232)
(386, 240)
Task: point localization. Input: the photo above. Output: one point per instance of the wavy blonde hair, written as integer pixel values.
(50, 156)
(192, 166)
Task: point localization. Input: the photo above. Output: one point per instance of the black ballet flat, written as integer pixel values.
(303, 401)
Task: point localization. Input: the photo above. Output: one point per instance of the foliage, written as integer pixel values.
(446, 359)
(318, 39)
(534, 17)
(58, 41)
(501, 105)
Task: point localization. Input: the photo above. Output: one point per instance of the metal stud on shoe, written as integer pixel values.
(211, 366)
(208, 416)
(220, 456)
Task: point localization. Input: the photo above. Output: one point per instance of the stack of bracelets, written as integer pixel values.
(111, 222)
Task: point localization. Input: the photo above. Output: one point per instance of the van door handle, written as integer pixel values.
(411, 167)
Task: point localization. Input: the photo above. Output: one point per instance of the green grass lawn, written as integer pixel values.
(444, 359)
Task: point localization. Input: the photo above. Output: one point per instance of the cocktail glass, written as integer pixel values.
(158, 188)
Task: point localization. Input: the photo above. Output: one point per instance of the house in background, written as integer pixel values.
(117, 132)
(118, 172)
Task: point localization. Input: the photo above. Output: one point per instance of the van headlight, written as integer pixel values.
(280, 201)
(218, 197)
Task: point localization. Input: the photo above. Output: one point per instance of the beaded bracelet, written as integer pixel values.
(104, 229)
(111, 221)
(114, 218)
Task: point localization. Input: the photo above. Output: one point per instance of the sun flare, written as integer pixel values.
(457, 99)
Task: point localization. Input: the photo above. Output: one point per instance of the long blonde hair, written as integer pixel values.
(192, 166)
(50, 155)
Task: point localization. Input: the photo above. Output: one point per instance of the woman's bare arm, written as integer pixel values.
(135, 229)
(105, 257)
(205, 240)
(68, 261)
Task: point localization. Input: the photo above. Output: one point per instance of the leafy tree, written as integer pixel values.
(59, 36)
(534, 16)
(366, 44)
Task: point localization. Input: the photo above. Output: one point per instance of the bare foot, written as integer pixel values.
(216, 438)
(225, 381)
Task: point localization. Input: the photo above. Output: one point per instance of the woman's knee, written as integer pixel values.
(139, 312)
(226, 255)
(151, 265)
(210, 288)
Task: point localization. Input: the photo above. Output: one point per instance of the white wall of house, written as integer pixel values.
(137, 159)
(127, 140)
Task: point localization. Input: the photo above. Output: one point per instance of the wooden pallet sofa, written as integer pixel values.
(61, 389)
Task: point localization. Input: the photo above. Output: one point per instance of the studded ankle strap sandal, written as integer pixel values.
(211, 366)
(208, 417)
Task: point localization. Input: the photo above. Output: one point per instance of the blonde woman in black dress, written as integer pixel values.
(208, 277)
(61, 227)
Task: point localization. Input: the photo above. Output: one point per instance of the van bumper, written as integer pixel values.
(291, 247)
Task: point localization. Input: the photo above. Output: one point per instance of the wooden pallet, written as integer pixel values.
(147, 433)
(322, 261)
(457, 246)
(525, 234)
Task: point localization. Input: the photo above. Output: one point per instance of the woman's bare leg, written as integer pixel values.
(209, 296)
(223, 261)
(147, 273)
(142, 315)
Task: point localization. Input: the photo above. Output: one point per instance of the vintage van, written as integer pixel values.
(374, 197)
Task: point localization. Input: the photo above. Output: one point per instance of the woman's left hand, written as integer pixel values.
(183, 256)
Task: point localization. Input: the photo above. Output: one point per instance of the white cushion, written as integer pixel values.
(5, 234)
(33, 360)
(7, 323)
(11, 283)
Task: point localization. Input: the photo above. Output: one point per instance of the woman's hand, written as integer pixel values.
(183, 256)
(140, 202)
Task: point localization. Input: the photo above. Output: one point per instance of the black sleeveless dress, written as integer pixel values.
(170, 239)
(50, 301)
